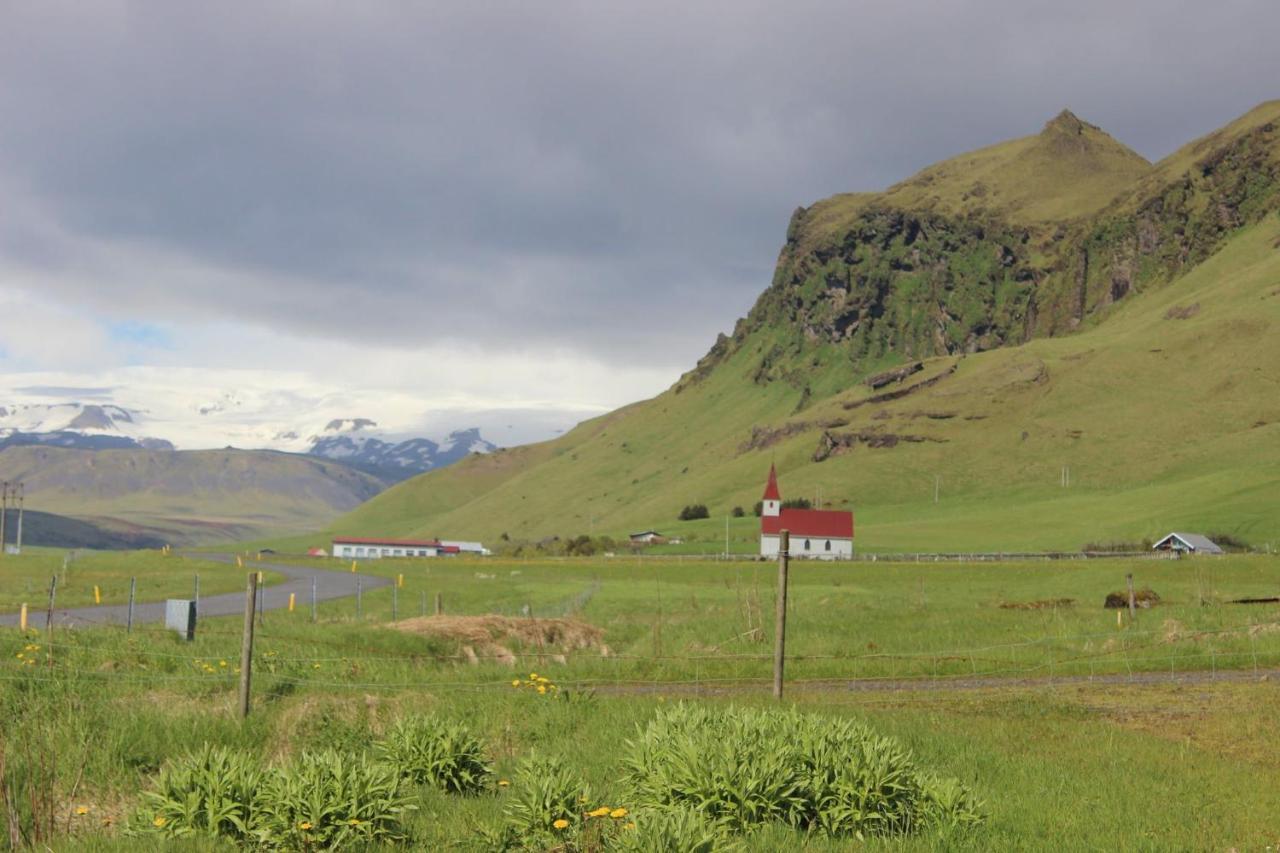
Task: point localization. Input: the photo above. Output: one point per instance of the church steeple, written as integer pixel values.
(771, 504)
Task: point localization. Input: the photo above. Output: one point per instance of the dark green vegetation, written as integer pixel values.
(141, 498)
(95, 716)
(1095, 345)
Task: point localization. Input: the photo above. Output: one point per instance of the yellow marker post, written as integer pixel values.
(1119, 617)
(22, 617)
(97, 595)
(353, 567)
(259, 577)
(291, 595)
(239, 562)
(259, 556)
(400, 580)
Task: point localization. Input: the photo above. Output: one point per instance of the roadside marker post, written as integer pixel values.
(291, 602)
(22, 617)
(97, 594)
(353, 567)
(313, 599)
(780, 640)
(246, 644)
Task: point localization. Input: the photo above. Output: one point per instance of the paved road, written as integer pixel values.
(329, 585)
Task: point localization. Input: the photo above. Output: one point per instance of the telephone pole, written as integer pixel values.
(4, 513)
(22, 488)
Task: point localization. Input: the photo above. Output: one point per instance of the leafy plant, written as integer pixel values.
(331, 799)
(694, 511)
(215, 792)
(427, 750)
(673, 828)
(545, 807)
(743, 768)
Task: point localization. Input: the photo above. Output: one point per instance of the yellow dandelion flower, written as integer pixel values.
(617, 813)
(21, 656)
(582, 798)
(533, 675)
(222, 663)
(82, 809)
(600, 812)
(515, 682)
(502, 783)
(542, 689)
(159, 821)
(355, 821)
(630, 825)
(560, 824)
(306, 824)
(315, 666)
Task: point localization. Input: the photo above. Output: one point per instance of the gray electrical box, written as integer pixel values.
(180, 616)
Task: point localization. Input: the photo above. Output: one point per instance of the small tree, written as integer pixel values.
(737, 512)
(693, 511)
(758, 508)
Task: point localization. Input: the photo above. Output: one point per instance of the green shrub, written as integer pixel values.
(694, 511)
(543, 792)
(333, 799)
(430, 751)
(745, 768)
(673, 828)
(214, 792)
(323, 800)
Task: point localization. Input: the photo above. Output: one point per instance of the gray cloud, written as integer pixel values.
(610, 179)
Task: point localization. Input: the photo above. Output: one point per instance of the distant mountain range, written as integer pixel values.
(356, 442)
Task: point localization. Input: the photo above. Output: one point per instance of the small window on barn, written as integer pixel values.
(359, 552)
(806, 544)
(828, 544)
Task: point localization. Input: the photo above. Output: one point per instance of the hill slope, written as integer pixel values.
(186, 497)
(1162, 403)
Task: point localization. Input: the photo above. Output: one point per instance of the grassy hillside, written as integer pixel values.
(1162, 405)
(187, 496)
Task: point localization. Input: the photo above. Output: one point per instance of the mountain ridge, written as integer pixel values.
(1011, 317)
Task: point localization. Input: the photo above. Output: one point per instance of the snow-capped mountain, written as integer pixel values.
(88, 427)
(356, 442)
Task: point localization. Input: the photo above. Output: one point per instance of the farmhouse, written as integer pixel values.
(821, 534)
(352, 547)
(647, 537)
(1187, 543)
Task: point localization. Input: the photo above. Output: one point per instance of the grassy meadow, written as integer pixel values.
(1057, 762)
(24, 579)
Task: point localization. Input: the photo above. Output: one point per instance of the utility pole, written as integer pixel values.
(22, 489)
(4, 512)
(780, 638)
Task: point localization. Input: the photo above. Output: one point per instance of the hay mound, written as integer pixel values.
(1045, 604)
(1141, 598)
(502, 638)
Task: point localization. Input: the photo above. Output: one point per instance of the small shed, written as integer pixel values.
(317, 552)
(1187, 543)
(647, 537)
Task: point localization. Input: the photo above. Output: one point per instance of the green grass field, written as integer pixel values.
(25, 579)
(1057, 762)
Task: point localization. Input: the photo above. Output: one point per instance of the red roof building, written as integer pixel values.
(823, 534)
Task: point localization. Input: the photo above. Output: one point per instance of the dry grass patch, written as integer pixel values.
(502, 638)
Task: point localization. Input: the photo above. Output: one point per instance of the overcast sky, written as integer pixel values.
(493, 209)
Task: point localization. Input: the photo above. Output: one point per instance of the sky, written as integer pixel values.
(508, 214)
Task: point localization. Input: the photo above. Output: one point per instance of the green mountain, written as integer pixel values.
(127, 496)
(1063, 343)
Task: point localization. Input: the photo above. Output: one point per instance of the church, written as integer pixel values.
(818, 534)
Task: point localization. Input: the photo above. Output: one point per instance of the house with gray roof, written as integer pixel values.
(1187, 543)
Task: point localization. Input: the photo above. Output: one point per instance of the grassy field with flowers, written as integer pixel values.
(545, 744)
(25, 578)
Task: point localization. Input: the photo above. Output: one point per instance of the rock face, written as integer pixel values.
(961, 259)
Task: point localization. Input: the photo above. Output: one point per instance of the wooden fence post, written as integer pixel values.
(246, 643)
(1133, 607)
(780, 638)
(133, 589)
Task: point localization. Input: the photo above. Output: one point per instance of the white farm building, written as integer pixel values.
(364, 548)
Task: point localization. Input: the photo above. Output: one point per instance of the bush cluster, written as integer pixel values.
(743, 768)
(322, 800)
(694, 511)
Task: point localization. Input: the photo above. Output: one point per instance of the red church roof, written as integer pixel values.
(771, 492)
(815, 523)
